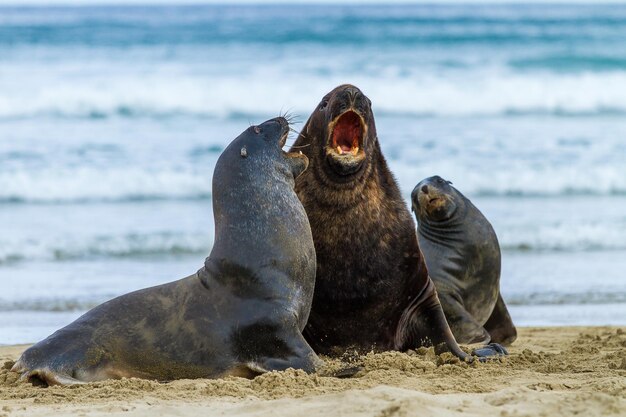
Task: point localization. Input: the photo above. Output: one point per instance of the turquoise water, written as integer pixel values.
(112, 118)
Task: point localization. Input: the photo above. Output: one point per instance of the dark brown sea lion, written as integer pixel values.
(241, 314)
(463, 258)
(372, 287)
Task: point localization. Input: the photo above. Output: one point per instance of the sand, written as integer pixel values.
(550, 371)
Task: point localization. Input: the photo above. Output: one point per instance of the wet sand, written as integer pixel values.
(550, 371)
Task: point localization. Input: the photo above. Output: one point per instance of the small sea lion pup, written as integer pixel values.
(241, 314)
(372, 287)
(463, 258)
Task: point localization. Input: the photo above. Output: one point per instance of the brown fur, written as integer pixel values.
(372, 287)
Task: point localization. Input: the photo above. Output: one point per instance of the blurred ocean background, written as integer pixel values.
(112, 118)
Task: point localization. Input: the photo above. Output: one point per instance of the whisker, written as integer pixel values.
(301, 146)
(304, 135)
(290, 117)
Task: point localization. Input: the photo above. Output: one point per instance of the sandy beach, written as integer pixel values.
(550, 371)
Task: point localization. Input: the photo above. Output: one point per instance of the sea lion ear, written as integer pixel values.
(449, 182)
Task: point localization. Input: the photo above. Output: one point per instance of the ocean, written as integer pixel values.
(112, 118)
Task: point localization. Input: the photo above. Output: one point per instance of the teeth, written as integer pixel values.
(339, 150)
(355, 150)
(300, 152)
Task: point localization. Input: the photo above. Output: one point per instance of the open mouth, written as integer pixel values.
(283, 138)
(347, 133)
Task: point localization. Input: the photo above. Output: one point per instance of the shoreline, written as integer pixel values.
(551, 370)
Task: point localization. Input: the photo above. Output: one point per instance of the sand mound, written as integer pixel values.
(550, 371)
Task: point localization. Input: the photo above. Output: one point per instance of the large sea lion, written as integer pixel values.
(372, 286)
(241, 314)
(463, 258)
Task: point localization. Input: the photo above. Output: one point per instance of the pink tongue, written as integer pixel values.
(346, 148)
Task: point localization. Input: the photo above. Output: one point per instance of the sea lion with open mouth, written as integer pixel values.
(463, 258)
(372, 286)
(241, 314)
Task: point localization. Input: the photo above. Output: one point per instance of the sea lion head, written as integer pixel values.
(342, 133)
(435, 200)
(260, 146)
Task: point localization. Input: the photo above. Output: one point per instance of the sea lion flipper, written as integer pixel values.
(490, 351)
(42, 376)
(424, 323)
(467, 331)
(301, 357)
(464, 326)
(500, 326)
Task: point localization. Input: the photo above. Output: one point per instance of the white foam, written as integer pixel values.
(265, 88)
(486, 178)
(53, 248)
(86, 183)
(565, 236)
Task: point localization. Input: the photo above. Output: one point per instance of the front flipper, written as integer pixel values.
(43, 376)
(423, 324)
(268, 347)
(465, 328)
(490, 351)
(499, 325)
(307, 361)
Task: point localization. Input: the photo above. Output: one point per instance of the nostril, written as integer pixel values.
(353, 93)
(425, 189)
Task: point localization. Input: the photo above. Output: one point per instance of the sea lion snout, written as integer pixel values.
(276, 129)
(433, 199)
(353, 93)
(274, 133)
(348, 118)
(340, 135)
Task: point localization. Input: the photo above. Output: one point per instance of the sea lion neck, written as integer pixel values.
(257, 218)
(253, 227)
(339, 194)
(449, 230)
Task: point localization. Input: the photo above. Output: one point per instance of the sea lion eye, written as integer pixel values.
(257, 130)
(440, 180)
(323, 105)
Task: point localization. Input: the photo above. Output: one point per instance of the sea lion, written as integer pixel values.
(241, 314)
(372, 287)
(463, 258)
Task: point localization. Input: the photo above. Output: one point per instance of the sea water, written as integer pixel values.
(112, 119)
